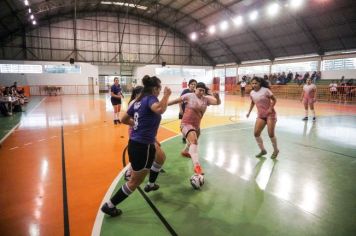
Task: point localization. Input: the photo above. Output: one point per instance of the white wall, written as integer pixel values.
(174, 82)
(66, 80)
(109, 70)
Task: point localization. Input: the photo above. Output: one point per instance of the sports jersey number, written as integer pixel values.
(135, 120)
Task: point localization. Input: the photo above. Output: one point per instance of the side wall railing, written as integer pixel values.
(59, 89)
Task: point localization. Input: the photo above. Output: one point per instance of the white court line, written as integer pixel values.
(27, 144)
(53, 137)
(100, 215)
(40, 140)
(14, 148)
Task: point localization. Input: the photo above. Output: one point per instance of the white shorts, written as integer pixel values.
(186, 128)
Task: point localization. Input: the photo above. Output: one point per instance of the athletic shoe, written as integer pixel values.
(118, 121)
(274, 154)
(198, 170)
(305, 118)
(314, 118)
(185, 154)
(263, 152)
(115, 122)
(111, 211)
(149, 188)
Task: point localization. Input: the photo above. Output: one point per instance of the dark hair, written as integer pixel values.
(135, 91)
(192, 81)
(149, 82)
(203, 86)
(261, 81)
(116, 78)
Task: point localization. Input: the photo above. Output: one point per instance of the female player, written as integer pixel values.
(144, 116)
(191, 87)
(265, 102)
(160, 155)
(308, 98)
(196, 104)
(116, 95)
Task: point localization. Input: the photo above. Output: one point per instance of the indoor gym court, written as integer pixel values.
(62, 157)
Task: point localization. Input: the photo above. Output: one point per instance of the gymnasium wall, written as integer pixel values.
(66, 80)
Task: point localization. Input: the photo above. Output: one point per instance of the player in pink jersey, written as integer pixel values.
(308, 98)
(263, 97)
(196, 104)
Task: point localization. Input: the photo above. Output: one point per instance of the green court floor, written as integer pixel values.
(309, 190)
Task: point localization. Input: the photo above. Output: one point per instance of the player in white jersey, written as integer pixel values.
(308, 98)
(196, 104)
(265, 102)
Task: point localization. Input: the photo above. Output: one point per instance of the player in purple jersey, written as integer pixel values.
(116, 95)
(160, 155)
(144, 116)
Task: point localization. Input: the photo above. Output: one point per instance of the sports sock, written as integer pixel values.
(121, 195)
(155, 169)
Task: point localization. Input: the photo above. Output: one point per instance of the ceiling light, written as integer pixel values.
(124, 4)
(273, 9)
(34, 22)
(238, 20)
(29, 10)
(224, 25)
(296, 3)
(32, 17)
(26, 2)
(193, 36)
(253, 15)
(212, 29)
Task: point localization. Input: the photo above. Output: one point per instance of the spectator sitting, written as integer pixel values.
(289, 77)
(305, 77)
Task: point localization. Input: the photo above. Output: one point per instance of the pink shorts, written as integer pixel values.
(307, 101)
(186, 128)
(272, 116)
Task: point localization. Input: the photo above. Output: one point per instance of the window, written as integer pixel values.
(219, 73)
(61, 69)
(339, 64)
(231, 72)
(193, 73)
(20, 68)
(168, 71)
(295, 67)
(250, 70)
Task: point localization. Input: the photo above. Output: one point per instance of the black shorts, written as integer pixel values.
(141, 155)
(115, 101)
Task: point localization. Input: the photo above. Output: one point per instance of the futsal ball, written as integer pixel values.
(197, 181)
